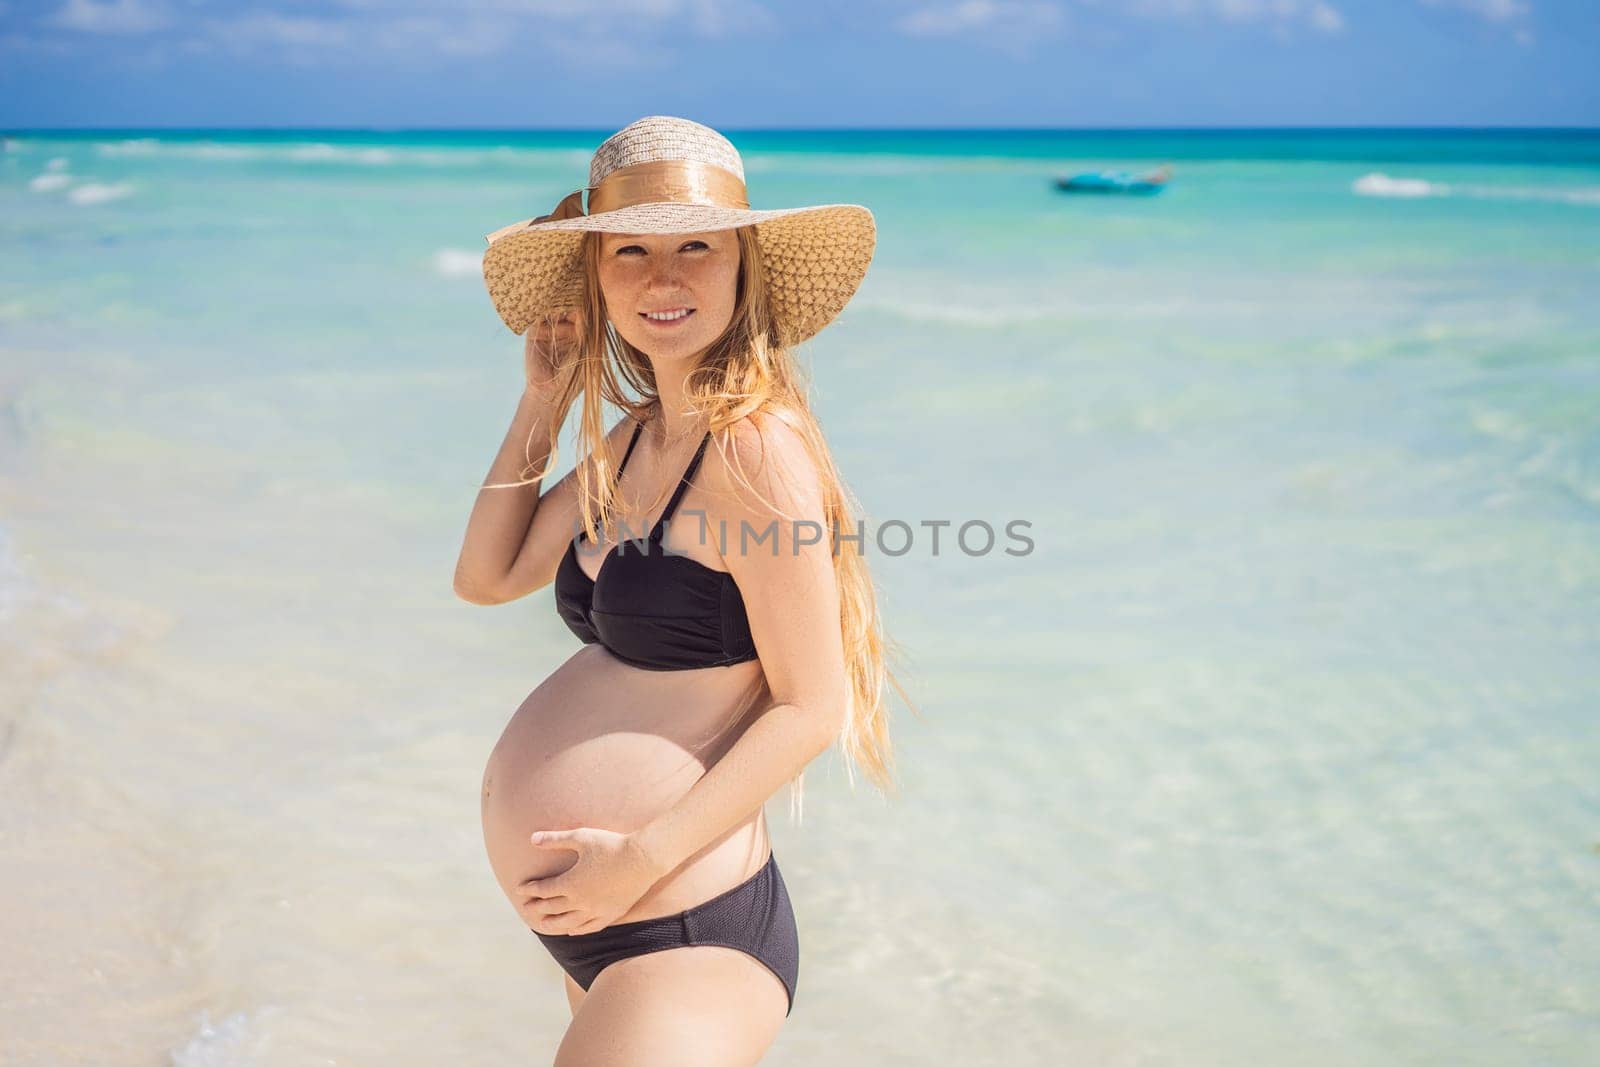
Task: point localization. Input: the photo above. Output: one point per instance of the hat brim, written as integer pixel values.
(814, 257)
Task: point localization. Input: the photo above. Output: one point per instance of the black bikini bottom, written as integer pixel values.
(754, 916)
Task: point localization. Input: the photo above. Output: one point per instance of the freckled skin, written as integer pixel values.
(651, 272)
(602, 743)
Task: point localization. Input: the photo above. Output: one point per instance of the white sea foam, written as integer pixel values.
(871, 165)
(45, 183)
(236, 1041)
(57, 163)
(184, 149)
(456, 262)
(1579, 194)
(327, 153)
(1376, 184)
(139, 146)
(99, 192)
(323, 152)
(222, 151)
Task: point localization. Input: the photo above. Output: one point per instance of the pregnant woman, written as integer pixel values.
(729, 631)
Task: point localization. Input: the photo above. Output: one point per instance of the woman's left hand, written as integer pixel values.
(611, 874)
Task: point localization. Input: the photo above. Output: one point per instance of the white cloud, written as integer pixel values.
(1326, 19)
(270, 28)
(626, 31)
(706, 18)
(114, 16)
(1493, 10)
(998, 20)
(726, 18)
(1318, 14)
(1512, 15)
(456, 37)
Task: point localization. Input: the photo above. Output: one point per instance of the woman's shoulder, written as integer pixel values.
(765, 459)
(769, 430)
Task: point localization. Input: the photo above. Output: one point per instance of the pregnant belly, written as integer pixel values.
(604, 744)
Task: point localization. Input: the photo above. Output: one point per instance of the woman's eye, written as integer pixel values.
(637, 248)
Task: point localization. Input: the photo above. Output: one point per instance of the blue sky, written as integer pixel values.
(828, 63)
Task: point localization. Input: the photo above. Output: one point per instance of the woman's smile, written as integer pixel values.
(667, 318)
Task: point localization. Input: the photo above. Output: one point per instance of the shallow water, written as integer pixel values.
(1278, 745)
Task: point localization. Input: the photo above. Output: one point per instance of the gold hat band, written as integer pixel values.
(665, 181)
(668, 181)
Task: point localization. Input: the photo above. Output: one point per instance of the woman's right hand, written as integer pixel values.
(548, 351)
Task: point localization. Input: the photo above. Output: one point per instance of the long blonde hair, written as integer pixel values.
(745, 371)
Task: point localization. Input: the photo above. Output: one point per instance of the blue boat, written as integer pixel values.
(1117, 181)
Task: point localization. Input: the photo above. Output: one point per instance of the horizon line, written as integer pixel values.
(291, 128)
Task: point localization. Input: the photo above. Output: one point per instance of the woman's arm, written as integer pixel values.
(516, 537)
(501, 521)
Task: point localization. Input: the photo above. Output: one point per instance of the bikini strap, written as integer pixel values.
(583, 536)
(683, 485)
(635, 440)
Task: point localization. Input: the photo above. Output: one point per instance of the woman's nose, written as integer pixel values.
(662, 276)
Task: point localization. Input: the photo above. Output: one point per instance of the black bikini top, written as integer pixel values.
(653, 609)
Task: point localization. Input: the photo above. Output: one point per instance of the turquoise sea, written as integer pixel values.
(1281, 746)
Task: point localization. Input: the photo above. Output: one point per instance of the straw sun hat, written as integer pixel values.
(670, 175)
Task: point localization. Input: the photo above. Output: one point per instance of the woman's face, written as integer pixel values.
(670, 272)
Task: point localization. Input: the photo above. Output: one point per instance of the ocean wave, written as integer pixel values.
(865, 165)
(321, 152)
(138, 146)
(456, 262)
(1581, 194)
(327, 153)
(1001, 315)
(99, 192)
(55, 176)
(88, 192)
(1382, 185)
(223, 151)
